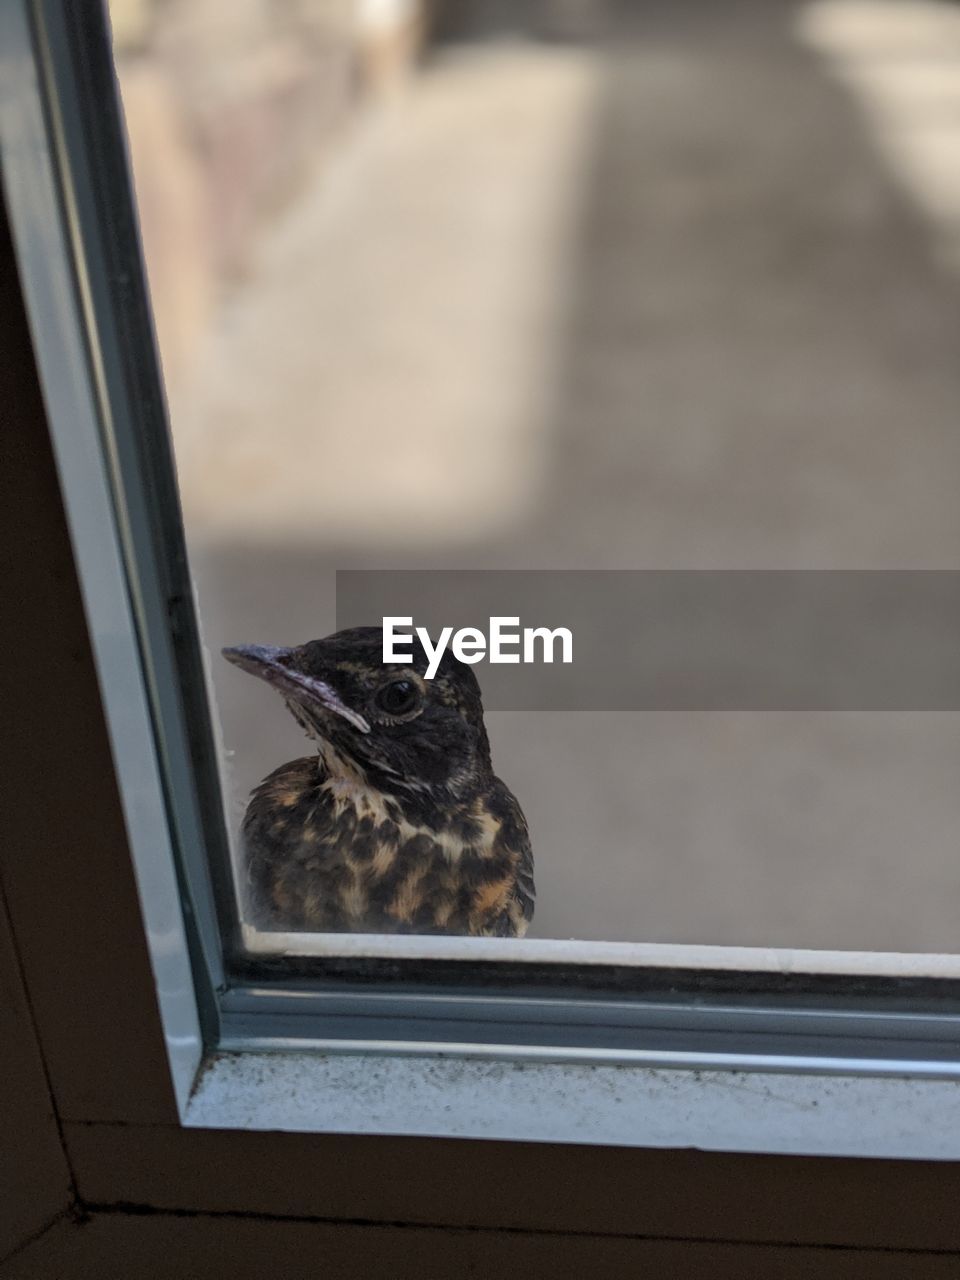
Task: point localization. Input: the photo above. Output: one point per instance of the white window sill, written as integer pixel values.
(619, 1105)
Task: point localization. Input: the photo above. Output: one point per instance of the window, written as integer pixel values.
(756, 975)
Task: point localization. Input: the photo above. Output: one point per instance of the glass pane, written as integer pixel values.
(546, 285)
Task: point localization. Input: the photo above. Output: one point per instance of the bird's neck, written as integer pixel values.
(339, 769)
(434, 805)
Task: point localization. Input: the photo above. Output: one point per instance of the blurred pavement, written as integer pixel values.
(659, 299)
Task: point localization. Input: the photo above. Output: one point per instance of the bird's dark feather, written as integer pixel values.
(325, 857)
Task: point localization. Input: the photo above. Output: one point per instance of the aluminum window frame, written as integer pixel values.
(70, 200)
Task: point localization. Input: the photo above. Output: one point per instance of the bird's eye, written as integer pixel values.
(398, 698)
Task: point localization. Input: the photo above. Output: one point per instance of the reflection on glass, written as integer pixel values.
(568, 285)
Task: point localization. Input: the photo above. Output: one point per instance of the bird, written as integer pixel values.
(396, 823)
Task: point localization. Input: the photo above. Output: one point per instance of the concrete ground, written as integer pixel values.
(655, 295)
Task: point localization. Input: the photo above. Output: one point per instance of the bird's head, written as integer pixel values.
(383, 721)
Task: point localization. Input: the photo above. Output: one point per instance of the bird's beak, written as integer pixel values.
(270, 664)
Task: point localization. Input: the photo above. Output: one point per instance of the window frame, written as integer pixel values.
(645, 1009)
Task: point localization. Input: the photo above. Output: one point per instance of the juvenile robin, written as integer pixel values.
(397, 824)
